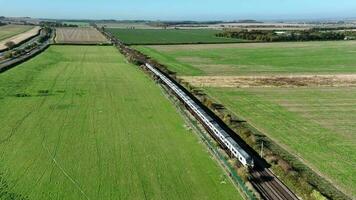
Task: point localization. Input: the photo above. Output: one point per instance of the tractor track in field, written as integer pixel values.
(54, 154)
(22, 120)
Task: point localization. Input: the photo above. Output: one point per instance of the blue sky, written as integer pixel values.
(180, 9)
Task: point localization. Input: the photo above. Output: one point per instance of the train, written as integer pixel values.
(214, 128)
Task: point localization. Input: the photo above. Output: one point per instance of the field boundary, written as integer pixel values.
(78, 44)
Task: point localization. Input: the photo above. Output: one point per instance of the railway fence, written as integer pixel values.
(234, 176)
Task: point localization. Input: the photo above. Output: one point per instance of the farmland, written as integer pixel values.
(18, 38)
(78, 122)
(317, 124)
(169, 36)
(301, 95)
(9, 31)
(83, 35)
(257, 59)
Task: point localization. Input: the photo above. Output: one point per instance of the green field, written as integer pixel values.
(79, 122)
(257, 59)
(8, 31)
(317, 124)
(169, 36)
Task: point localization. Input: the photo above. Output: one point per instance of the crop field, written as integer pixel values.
(79, 122)
(257, 58)
(20, 37)
(9, 31)
(82, 35)
(317, 124)
(169, 36)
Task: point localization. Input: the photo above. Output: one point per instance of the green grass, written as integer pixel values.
(169, 36)
(8, 31)
(79, 122)
(257, 59)
(317, 124)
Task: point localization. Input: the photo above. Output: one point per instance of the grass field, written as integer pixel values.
(82, 35)
(257, 59)
(318, 124)
(169, 36)
(8, 31)
(79, 122)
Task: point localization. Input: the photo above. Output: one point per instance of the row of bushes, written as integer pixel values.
(273, 36)
(57, 24)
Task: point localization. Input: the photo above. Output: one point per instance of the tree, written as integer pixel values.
(10, 44)
(8, 55)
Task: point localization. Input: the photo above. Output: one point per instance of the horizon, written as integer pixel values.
(227, 10)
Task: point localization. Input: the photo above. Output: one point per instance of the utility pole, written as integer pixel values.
(261, 154)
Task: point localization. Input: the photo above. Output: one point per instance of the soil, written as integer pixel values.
(272, 81)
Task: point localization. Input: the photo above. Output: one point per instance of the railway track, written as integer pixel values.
(264, 181)
(269, 186)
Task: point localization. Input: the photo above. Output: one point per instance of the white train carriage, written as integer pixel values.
(214, 127)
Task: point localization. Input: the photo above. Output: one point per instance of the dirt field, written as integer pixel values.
(19, 38)
(272, 81)
(197, 47)
(81, 35)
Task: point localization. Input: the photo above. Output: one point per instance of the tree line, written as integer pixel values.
(56, 24)
(275, 36)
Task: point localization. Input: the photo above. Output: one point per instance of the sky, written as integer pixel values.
(200, 10)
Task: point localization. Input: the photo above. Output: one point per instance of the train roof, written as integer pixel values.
(238, 148)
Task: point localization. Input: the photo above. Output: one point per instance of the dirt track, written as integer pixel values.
(272, 81)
